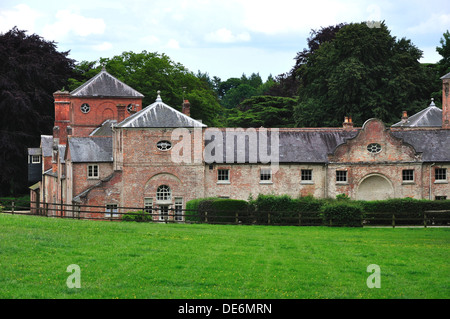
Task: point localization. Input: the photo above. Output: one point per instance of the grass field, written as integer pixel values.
(173, 261)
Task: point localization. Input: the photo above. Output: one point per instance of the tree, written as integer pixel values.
(363, 72)
(149, 72)
(31, 70)
(444, 51)
(266, 111)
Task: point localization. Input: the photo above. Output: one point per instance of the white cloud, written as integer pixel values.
(150, 40)
(224, 35)
(173, 44)
(105, 46)
(435, 23)
(21, 16)
(69, 22)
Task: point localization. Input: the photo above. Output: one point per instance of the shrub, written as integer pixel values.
(224, 210)
(192, 213)
(342, 213)
(138, 216)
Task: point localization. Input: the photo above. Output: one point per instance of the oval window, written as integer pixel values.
(374, 148)
(164, 145)
(85, 108)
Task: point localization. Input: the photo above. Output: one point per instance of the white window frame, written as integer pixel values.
(148, 205)
(91, 171)
(162, 214)
(408, 173)
(338, 178)
(178, 212)
(440, 172)
(163, 194)
(223, 178)
(33, 159)
(306, 172)
(111, 209)
(265, 176)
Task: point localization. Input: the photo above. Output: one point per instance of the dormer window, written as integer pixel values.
(374, 148)
(85, 108)
(164, 145)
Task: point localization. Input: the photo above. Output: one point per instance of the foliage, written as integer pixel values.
(266, 111)
(192, 209)
(342, 213)
(31, 70)
(363, 73)
(444, 51)
(224, 210)
(138, 216)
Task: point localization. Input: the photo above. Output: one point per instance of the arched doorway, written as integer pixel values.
(375, 187)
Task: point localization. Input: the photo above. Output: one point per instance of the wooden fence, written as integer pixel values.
(172, 215)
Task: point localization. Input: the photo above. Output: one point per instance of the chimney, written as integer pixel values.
(445, 101)
(348, 123)
(186, 108)
(62, 117)
(404, 117)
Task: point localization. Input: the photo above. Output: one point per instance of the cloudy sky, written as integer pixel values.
(224, 38)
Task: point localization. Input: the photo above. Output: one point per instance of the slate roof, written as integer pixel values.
(429, 117)
(90, 149)
(105, 129)
(295, 146)
(447, 76)
(160, 114)
(104, 84)
(47, 145)
(434, 144)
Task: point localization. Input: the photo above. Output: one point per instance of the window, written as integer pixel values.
(163, 212)
(265, 175)
(374, 148)
(306, 174)
(163, 193)
(341, 176)
(164, 145)
(130, 108)
(93, 171)
(110, 210)
(440, 174)
(223, 175)
(148, 205)
(35, 159)
(85, 108)
(178, 209)
(441, 197)
(408, 175)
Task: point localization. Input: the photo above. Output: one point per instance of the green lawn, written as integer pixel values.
(140, 260)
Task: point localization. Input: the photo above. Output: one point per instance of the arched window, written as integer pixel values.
(163, 193)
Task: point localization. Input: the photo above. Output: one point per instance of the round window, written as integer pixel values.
(85, 108)
(374, 148)
(164, 145)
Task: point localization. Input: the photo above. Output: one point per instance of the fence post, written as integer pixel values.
(268, 218)
(393, 221)
(299, 219)
(12, 207)
(424, 219)
(236, 220)
(206, 217)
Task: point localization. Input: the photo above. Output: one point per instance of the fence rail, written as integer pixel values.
(176, 215)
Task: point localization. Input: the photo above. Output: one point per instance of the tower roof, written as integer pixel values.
(429, 117)
(160, 114)
(104, 84)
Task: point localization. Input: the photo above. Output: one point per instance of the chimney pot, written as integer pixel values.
(186, 108)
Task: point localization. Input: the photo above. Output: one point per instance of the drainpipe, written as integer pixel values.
(429, 191)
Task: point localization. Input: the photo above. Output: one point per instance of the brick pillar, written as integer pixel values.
(120, 112)
(187, 108)
(62, 114)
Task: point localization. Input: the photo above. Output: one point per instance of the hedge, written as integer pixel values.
(138, 216)
(342, 213)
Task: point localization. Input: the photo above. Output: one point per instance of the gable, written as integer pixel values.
(374, 144)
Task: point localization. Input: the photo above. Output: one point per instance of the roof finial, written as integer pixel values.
(158, 98)
(432, 102)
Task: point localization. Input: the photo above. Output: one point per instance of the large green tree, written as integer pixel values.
(363, 72)
(149, 72)
(31, 70)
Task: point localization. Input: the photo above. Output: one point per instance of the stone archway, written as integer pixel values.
(375, 187)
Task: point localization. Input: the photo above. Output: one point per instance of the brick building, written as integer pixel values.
(108, 151)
